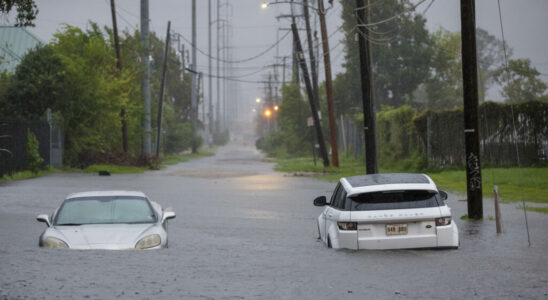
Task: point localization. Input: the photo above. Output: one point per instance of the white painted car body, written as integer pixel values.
(108, 236)
(424, 223)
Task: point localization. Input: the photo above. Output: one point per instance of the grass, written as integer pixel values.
(112, 169)
(543, 210)
(28, 174)
(535, 180)
(535, 183)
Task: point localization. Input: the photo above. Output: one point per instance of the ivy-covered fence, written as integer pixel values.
(442, 134)
(438, 136)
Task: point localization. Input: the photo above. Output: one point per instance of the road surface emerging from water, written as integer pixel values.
(244, 231)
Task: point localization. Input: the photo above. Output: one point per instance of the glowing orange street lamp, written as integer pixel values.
(267, 113)
(276, 107)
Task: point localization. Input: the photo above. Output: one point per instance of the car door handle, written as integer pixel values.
(330, 215)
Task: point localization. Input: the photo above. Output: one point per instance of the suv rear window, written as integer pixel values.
(394, 200)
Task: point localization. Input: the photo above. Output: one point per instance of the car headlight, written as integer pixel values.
(149, 241)
(55, 243)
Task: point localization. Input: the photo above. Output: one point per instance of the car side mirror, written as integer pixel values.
(44, 219)
(168, 214)
(443, 195)
(320, 201)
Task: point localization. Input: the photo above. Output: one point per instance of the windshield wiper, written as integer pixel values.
(69, 224)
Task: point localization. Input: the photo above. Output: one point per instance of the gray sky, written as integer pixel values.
(255, 29)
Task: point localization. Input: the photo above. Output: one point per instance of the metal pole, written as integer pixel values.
(162, 87)
(329, 87)
(313, 108)
(367, 91)
(218, 119)
(145, 83)
(194, 95)
(470, 93)
(210, 92)
(119, 65)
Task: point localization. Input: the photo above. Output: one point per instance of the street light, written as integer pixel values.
(258, 100)
(276, 107)
(265, 5)
(267, 113)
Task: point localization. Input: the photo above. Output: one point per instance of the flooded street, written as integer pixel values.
(244, 231)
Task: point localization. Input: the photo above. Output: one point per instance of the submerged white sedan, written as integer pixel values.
(111, 220)
(387, 211)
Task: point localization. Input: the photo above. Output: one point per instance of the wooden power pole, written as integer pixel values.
(371, 165)
(313, 108)
(329, 87)
(471, 128)
(119, 65)
(162, 88)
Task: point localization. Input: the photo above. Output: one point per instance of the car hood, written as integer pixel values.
(103, 236)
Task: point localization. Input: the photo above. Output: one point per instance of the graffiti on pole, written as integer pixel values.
(474, 174)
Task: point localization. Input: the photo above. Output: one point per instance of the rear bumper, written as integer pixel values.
(443, 237)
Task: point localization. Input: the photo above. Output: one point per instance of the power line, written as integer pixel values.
(514, 125)
(240, 60)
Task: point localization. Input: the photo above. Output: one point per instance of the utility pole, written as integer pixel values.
(311, 54)
(210, 92)
(283, 70)
(309, 91)
(329, 87)
(218, 119)
(145, 83)
(119, 65)
(295, 59)
(194, 95)
(200, 96)
(162, 87)
(367, 91)
(471, 128)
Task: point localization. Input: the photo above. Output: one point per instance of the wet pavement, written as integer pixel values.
(245, 232)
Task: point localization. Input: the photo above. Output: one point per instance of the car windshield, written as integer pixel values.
(394, 200)
(105, 210)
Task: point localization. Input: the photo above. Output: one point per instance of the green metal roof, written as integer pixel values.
(14, 44)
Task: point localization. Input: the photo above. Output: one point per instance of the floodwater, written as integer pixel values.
(245, 232)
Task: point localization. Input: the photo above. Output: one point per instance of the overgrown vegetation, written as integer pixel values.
(76, 77)
(34, 161)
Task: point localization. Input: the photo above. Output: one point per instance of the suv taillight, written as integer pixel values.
(443, 221)
(347, 225)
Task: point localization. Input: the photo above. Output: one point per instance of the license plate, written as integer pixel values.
(396, 229)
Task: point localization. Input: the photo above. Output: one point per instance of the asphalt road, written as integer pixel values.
(245, 232)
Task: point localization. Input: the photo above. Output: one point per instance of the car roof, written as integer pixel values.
(106, 194)
(356, 185)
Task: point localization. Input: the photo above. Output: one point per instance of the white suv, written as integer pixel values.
(387, 211)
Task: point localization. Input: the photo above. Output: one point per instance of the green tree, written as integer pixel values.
(291, 119)
(444, 87)
(26, 11)
(401, 53)
(490, 53)
(520, 82)
(37, 84)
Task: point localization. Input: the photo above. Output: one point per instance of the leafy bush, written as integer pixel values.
(34, 160)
